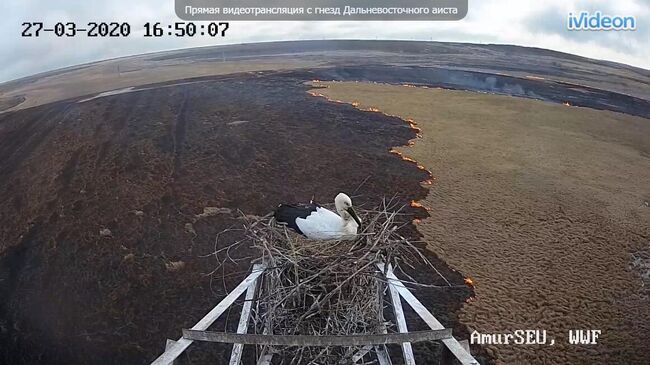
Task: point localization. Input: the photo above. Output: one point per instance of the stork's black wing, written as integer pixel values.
(287, 213)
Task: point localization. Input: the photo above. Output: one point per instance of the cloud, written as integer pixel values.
(554, 19)
(525, 22)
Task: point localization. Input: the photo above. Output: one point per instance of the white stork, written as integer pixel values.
(318, 223)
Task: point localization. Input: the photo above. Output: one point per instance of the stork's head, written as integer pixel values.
(344, 208)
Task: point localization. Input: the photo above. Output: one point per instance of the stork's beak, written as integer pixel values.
(354, 215)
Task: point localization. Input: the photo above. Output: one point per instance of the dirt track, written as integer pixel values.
(542, 205)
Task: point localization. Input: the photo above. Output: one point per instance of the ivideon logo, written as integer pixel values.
(598, 21)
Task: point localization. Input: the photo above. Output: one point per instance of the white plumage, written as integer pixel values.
(318, 223)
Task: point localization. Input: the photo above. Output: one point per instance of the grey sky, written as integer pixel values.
(524, 22)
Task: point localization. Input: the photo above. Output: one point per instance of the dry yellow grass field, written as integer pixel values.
(542, 205)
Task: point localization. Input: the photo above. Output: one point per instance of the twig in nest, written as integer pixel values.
(325, 287)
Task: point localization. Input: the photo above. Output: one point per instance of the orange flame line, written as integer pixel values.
(415, 204)
(412, 124)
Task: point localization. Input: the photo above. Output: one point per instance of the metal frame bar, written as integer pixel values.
(361, 353)
(235, 355)
(397, 291)
(182, 344)
(407, 350)
(380, 351)
(168, 345)
(382, 355)
(452, 344)
(317, 341)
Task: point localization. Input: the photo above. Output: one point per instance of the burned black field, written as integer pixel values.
(104, 247)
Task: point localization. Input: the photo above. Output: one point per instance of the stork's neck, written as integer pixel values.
(350, 226)
(342, 213)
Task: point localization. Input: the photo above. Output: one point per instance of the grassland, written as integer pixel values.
(542, 205)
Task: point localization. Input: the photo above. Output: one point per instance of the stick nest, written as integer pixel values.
(326, 287)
